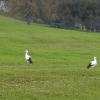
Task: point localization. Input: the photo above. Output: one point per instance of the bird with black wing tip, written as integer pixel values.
(28, 58)
(92, 63)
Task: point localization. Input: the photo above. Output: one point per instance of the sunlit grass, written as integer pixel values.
(60, 58)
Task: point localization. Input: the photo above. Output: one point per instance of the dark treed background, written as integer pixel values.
(70, 14)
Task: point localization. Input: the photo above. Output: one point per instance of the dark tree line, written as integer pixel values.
(85, 12)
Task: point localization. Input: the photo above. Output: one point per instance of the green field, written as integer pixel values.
(60, 59)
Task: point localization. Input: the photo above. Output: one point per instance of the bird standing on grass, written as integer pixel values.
(92, 63)
(28, 58)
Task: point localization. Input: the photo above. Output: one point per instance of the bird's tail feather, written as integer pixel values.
(30, 60)
(88, 65)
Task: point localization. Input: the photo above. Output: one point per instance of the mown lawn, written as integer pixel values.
(60, 59)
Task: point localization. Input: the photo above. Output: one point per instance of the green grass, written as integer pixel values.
(60, 58)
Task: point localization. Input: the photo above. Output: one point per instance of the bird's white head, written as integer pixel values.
(95, 57)
(26, 51)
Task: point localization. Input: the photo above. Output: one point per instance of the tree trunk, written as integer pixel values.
(83, 26)
(28, 19)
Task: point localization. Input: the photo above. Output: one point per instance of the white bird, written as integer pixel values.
(28, 58)
(92, 63)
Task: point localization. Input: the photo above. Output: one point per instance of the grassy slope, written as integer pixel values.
(60, 59)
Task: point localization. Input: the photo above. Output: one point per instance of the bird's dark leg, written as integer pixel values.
(28, 65)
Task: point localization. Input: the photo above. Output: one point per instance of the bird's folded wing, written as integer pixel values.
(93, 62)
(27, 57)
